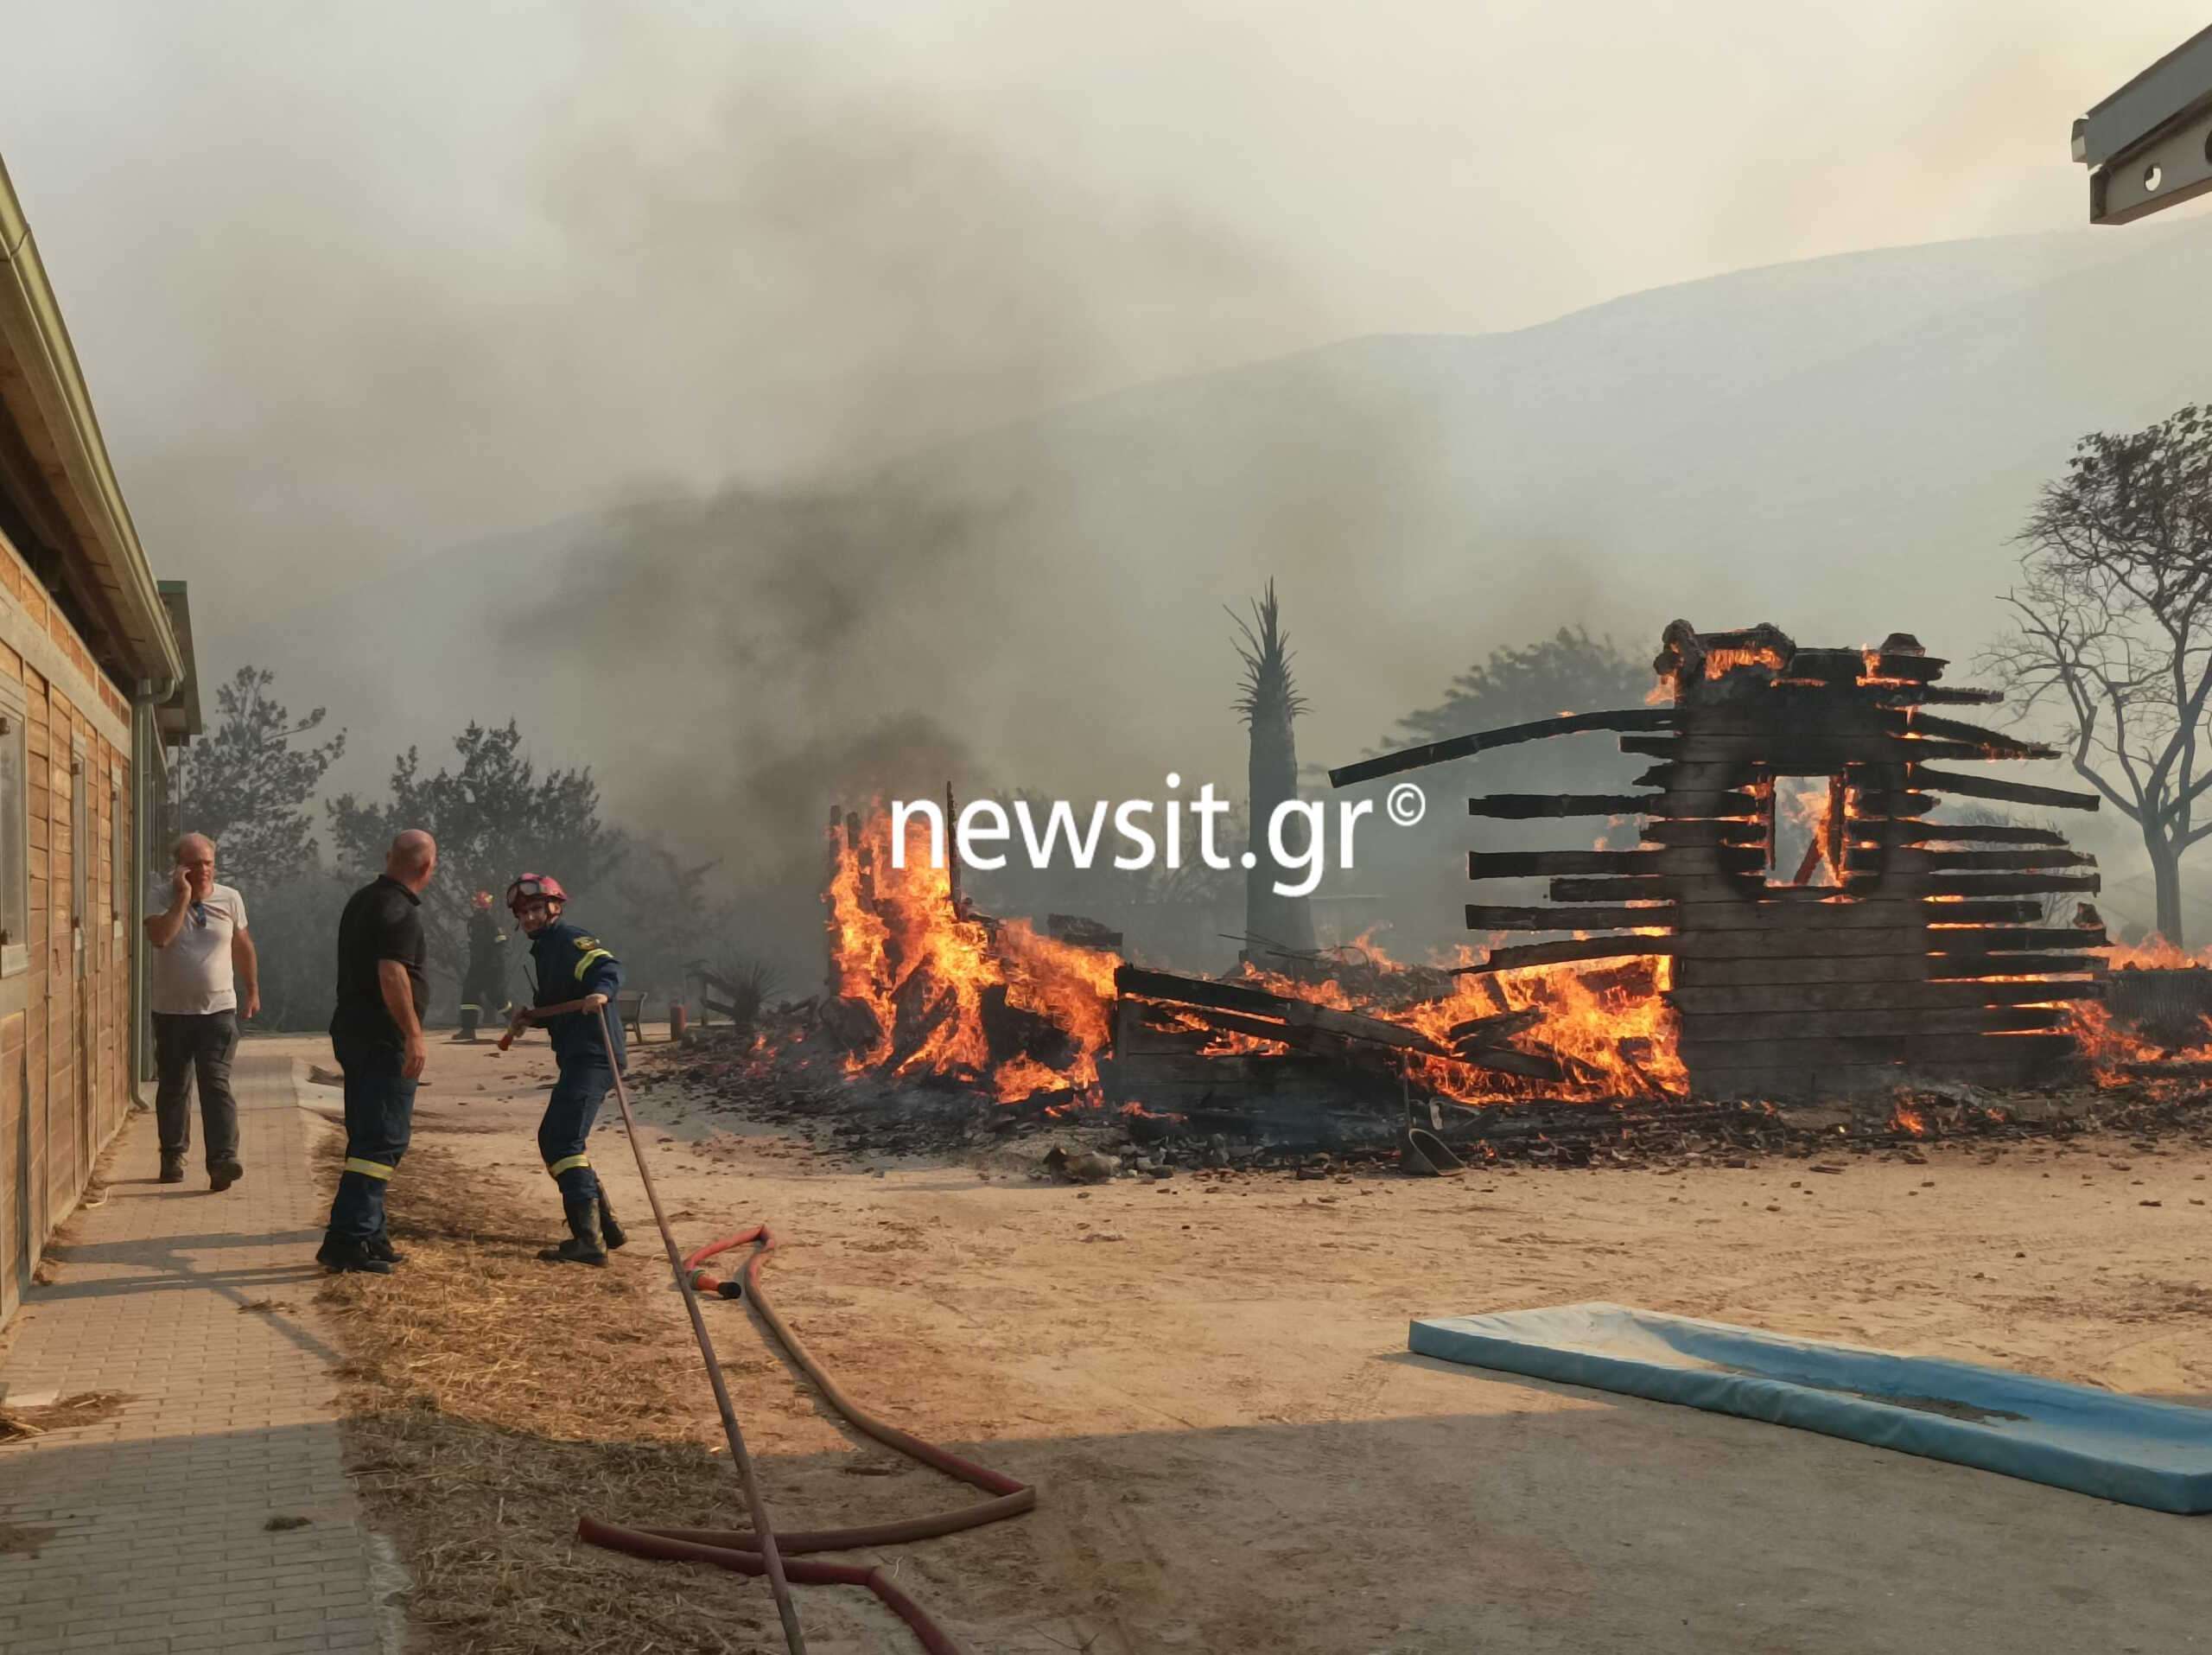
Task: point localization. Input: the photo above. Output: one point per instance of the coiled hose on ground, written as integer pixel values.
(763, 1550)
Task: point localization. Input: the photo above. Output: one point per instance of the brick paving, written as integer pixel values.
(199, 1307)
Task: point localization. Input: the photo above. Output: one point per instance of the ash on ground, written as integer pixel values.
(781, 1078)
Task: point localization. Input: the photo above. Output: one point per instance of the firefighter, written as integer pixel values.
(483, 989)
(573, 969)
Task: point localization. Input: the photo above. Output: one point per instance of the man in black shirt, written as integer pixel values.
(377, 1034)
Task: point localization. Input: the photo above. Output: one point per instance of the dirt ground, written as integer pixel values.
(1208, 1382)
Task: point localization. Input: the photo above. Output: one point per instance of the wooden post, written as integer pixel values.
(952, 855)
(863, 856)
(835, 980)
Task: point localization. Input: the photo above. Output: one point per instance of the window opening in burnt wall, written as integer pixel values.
(1805, 830)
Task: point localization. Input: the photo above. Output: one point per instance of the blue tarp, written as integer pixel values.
(2119, 1448)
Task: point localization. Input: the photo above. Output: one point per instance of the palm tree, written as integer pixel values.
(1269, 702)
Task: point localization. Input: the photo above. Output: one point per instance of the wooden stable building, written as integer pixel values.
(1886, 943)
(88, 655)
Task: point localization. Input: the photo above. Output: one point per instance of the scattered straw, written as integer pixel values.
(85, 1408)
(18, 1540)
(492, 1398)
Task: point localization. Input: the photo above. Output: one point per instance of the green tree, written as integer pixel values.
(247, 784)
(1569, 671)
(663, 918)
(2112, 622)
(494, 816)
(294, 930)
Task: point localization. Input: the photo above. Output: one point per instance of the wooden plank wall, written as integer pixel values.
(1787, 991)
(64, 1055)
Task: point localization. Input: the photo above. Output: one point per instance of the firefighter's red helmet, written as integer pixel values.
(481, 901)
(531, 885)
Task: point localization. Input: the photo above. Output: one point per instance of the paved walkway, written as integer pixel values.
(199, 1309)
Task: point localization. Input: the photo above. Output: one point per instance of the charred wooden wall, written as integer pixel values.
(1931, 954)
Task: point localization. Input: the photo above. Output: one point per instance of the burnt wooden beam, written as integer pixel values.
(1623, 887)
(1932, 1051)
(1901, 942)
(1523, 807)
(1764, 638)
(1900, 1024)
(1913, 859)
(1957, 729)
(1708, 804)
(1792, 712)
(1195, 990)
(1536, 864)
(1945, 968)
(1882, 804)
(2004, 884)
(1711, 971)
(1814, 756)
(1464, 747)
(1883, 830)
(1716, 999)
(1239, 1022)
(1294, 1015)
(1912, 945)
(1505, 1060)
(2013, 793)
(1486, 916)
(1708, 830)
(1928, 694)
(1355, 1026)
(1996, 938)
(1917, 669)
(1935, 695)
(1698, 778)
(1728, 903)
(1524, 955)
(1502, 1025)
(1815, 919)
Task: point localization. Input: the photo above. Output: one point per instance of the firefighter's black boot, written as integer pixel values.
(583, 1245)
(607, 1228)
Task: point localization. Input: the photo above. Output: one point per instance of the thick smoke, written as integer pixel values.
(747, 646)
(359, 290)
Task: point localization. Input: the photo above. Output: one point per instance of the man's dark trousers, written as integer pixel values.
(183, 1045)
(379, 1119)
(564, 1132)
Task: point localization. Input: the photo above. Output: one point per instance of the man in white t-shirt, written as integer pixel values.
(200, 943)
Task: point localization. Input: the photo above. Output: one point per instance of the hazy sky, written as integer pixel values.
(352, 282)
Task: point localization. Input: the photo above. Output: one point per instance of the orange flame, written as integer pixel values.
(926, 973)
(1611, 1026)
(1719, 663)
(895, 937)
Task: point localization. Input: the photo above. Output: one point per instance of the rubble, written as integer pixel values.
(790, 1076)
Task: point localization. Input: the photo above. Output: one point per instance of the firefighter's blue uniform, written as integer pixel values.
(572, 964)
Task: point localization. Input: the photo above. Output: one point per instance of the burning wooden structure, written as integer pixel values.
(922, 986)
(1894, 943)
(1263, 1040)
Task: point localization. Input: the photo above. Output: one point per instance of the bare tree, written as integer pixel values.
(2112, 621)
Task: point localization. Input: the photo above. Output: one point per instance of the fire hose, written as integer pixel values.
(761, 1550)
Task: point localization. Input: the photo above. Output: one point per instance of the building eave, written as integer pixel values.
(45, 396)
